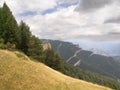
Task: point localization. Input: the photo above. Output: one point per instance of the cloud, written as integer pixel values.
(61, 21)
(18, 7)
(69, 24)
(113, 20)
(67, 1)
(90, 5)
(21, 6)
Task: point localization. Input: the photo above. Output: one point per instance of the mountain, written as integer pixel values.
(100, 52)
(117, 58)
(86, 60)
(103, 47)
(18, 72)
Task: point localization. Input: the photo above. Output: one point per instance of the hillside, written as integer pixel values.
(117, 58)
(17, 72)
(86, 60)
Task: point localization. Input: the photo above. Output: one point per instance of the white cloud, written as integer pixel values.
(66, 23)
(67, 1)
(91, 5)
(20, 6)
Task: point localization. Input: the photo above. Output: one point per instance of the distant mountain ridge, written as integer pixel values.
(117, 58)
(100, 52)
(107, 47)
(87, 60)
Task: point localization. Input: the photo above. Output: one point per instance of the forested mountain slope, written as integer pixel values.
(87, 60)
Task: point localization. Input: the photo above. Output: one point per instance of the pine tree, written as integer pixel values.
(58, 63)
(35, 49)
(9, 27)
(49, 58)
(0, 22)
(25, 35)
(53, 60)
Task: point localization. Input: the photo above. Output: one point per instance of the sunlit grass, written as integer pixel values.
(17, 72)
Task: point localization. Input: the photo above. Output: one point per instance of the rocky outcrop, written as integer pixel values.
(46, 45)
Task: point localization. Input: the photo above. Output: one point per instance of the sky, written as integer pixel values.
(69, 19)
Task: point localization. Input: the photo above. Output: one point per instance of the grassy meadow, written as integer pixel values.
(18, 72)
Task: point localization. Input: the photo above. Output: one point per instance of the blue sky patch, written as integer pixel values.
(28, 13)
(66, 5)
(49, 11)
(61, 5)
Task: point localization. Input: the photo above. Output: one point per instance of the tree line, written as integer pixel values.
(14, 36)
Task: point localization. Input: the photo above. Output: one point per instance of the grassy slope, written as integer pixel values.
(24, 74)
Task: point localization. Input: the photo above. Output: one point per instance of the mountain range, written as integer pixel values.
(87, 60)
(103, 47)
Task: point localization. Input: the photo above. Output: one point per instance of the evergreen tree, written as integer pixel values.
(0, 22)
(58, 62)
(53, 60)
(9, 28)
(49, 57)
(35, 49)
(25, 35)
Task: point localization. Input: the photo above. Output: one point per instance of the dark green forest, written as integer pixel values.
(14, 36)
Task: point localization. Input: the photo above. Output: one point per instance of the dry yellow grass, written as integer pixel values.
(19, 74)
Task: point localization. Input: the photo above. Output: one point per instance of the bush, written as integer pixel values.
(10, 46)
(2, 45)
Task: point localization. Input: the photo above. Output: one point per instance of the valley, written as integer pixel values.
(88, 60)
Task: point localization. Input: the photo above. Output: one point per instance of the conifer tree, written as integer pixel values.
(53, 60)
(25, 35)
(35, 49)
(0, 22)
(9, 27)
(49, 58)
